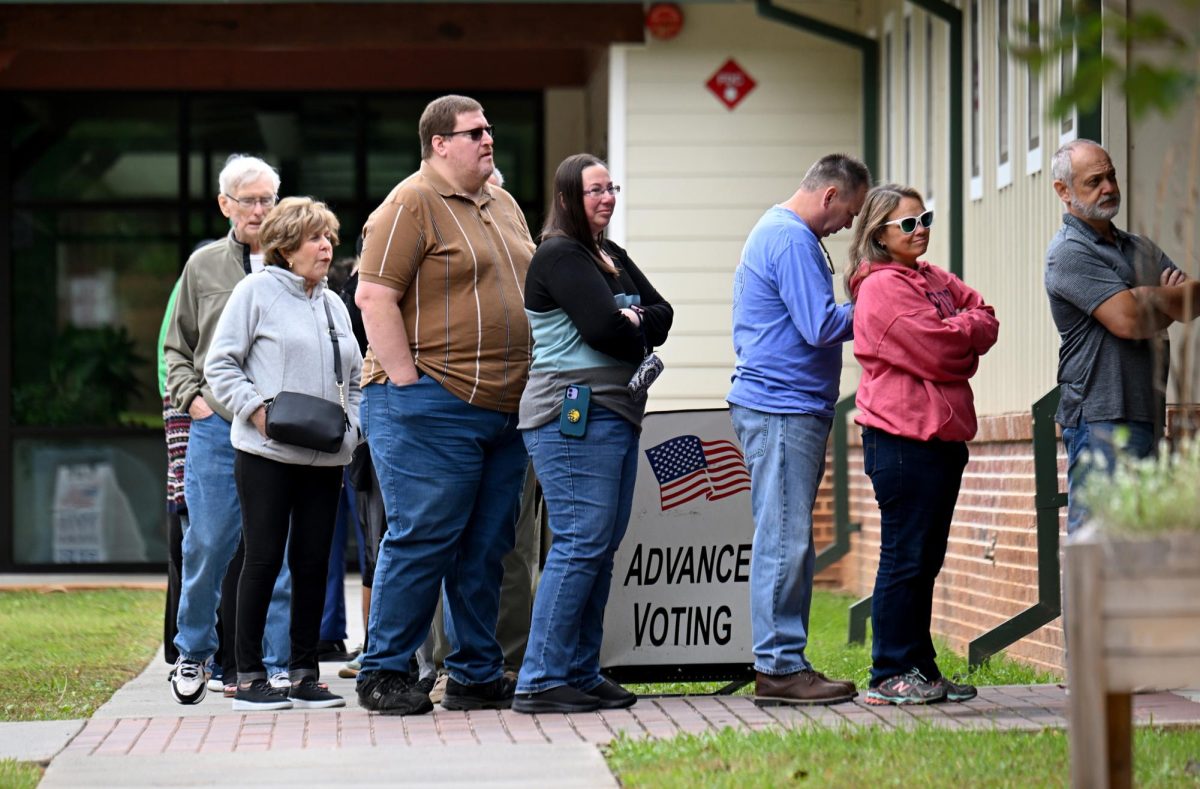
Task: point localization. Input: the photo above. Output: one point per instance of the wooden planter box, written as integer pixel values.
(1133, 623)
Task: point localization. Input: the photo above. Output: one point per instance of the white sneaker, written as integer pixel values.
(280, 680)
(188, 681)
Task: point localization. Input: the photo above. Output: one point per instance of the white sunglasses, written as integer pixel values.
(908, 224)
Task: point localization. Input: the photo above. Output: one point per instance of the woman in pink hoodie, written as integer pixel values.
(918, 334)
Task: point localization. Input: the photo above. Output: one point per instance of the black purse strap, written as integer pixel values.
(337, 354)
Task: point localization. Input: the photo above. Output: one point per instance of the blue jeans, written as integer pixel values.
(916, 486)
(588, 485)
(450, 474)
(209, 543)
(1099, 438)
(785, 454)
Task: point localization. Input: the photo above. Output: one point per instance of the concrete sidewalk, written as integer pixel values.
(143, 738)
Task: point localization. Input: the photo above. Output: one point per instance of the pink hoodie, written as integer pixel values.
(918, 334)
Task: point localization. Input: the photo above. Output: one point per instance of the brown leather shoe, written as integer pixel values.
(803, 687)
(847, 684)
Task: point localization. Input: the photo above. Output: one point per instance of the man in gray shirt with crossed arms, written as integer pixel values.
(1112, 293)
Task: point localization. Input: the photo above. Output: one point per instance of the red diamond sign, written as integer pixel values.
(730, 84)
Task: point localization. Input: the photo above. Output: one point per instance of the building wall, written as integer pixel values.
(697, 176)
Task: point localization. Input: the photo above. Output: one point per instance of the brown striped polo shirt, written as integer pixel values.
(460, 264)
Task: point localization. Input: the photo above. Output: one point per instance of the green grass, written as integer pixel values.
(63, 654)
(872, 757)
(829, 652)
(19, 775)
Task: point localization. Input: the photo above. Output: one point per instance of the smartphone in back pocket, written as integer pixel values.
(573, 421)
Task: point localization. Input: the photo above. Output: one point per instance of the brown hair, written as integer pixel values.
(292, 221)
(567, 217)
(439, 118)
(864, 244)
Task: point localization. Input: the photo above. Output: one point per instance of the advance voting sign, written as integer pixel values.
(680, 601)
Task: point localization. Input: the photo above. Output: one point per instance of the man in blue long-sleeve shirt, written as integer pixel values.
(788, 333)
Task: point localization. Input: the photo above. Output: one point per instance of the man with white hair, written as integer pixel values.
(1112, 293)
(249, 189)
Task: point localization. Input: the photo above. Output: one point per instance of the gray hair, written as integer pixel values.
(1060, 164)
(496, 177)
(241, 169)
(837, 169)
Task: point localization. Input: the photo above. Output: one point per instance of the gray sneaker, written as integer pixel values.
(908, 688)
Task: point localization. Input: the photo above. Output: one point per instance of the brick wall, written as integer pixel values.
(990, 573)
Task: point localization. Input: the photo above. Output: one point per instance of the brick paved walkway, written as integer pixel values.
(1016, 708)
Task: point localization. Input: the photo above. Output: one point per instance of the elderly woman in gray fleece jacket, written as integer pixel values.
(274, 336)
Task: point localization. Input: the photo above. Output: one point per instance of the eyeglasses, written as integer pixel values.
(250, 202)
(475, 134)
(908, 224)
(597, 191)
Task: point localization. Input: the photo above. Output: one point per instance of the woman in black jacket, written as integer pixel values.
(594, 317)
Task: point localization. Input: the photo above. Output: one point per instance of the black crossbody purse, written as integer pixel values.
(311, 422)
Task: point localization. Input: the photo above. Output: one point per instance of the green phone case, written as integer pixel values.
(573, 421)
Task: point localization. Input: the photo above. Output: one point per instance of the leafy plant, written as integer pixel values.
(90, 380)
(1151, 495)
(1149, 84)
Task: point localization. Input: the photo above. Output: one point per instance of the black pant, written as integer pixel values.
(174, 585)
(916, 485)
(274, 495)
(227, 616)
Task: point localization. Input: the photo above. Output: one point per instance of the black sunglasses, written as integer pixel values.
(908, 224)
(475, 134)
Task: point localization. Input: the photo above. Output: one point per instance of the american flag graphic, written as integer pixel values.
(687, 468)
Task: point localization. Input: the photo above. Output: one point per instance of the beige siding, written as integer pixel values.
(1006, 233)
(698, 176)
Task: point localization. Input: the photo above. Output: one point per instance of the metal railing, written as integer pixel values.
(1048, 500)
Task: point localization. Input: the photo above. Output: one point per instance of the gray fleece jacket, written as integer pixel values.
(274, 337)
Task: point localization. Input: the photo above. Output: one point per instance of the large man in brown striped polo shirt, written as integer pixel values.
(442, 295)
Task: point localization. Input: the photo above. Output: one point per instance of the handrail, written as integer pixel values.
(1048, 500)
(842, 525)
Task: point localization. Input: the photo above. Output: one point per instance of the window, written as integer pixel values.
(888, 109)
(976, 89)
(929, 136)
(1004, 103)
(1066, 72)
(109, 194)
(1033, 91)
(908, 114)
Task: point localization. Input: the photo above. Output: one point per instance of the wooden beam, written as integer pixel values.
(296, 70)
(342, 27)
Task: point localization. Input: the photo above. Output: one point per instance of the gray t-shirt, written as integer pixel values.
(1103, 377)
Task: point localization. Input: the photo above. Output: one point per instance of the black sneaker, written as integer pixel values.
(956, 691)
(494, 695)
(389, 693)
(308, 695)
(333, 652)
(563, 700)
(188, 683)
(258, 696)
(612, 696)
(425, 684)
